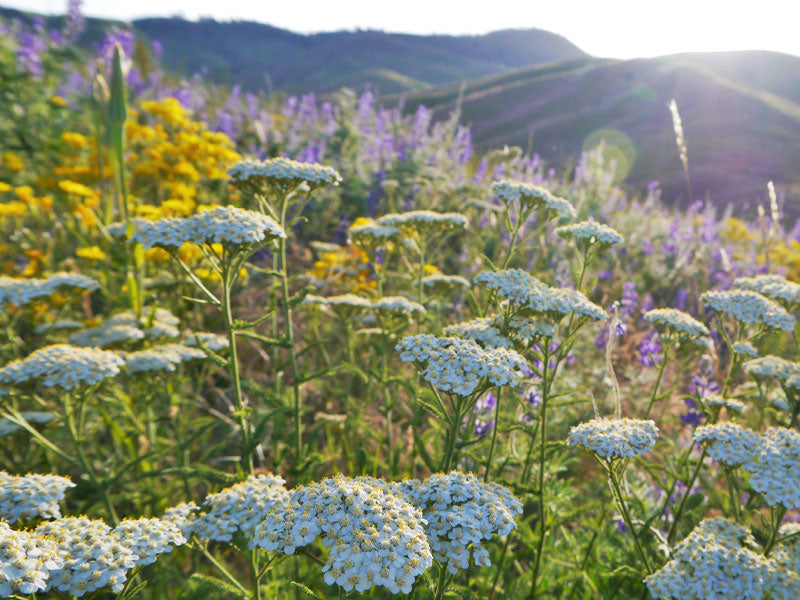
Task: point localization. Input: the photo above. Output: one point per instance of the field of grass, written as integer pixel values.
(264, 347)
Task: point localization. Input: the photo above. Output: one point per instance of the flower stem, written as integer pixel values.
(623, 507)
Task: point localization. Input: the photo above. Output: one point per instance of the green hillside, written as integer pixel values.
(740, 111)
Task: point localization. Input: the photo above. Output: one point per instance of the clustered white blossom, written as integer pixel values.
(280, 170)
(776, 287)
(375, 537)
(775, 467)
(60, 324)
(749, 307)
(7, 426)
(786, 557)
(223, 224)
(590, 232)
(343, 303)
(728, 442)
(372, 235)
(21, 291)
(714, 561)
(481, 330)
(160, 358)
(745, 348)
(93, 557)
(183, 517)
(424, 220)
(772, 460)
(774, 367)
(458, 366)
(462, 512)
(528, 328)
(398, 304)
(26, 561)
(614, 438)
(212, 341)
(239, 508)
(63, 366)
(125, 326)
(440, 281)
(147, 538)
(530, 295)
(529, 195)
(729, 403)
(677, 321)
(30, 496)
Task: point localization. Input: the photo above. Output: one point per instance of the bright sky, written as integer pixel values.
(610, 28)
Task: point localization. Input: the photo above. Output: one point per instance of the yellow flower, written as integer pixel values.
(76, 140)
(13, 162)
(431, 269)
(24, 193)
(156, 255)
(4, 187)
(13, 209)
(75, 188)
(58, 101)
(207, 274)
(91, 253)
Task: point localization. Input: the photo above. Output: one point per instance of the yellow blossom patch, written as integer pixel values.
(91, 253)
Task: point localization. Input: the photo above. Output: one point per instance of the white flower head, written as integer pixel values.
(212, 341)
(280, 172)
(771, 286)
(147, 538)
(459, 366)
(481, 330)
(749, 307)
(588, 233)
(166, 357)
(714, 561)
(615, 438)
(31, 496)
(27, 561)
(775, 467)
(63, 366)
(728, 442)
(424, 221)
(224, 224)
(528, 196)
(440, 283)
(371, 235)
(21, 291)
(398, 305)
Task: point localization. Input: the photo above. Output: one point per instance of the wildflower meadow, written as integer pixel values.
(257, 346)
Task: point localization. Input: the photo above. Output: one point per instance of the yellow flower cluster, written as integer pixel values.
(778, 251)
(345, 269)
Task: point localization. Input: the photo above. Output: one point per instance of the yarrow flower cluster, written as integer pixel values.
(615, 438)
(212, 341)
(529, 196)
(745, 349)
(749, 307)
(774, 367)
(93, 557)
(371, 235)
(590, 232)
(398, 304)
(344, 304)
(375, 537)
(251, 174)
(728, 442)
(421, 221)
(458, 366)
(531, 296)
(527, 329)
(63, 366)
(461, 513)
(677, 321)
(21, 291)
(31, 496)
(147, 538)
(125, 326)
(239, 508)
(224, 225)
(786, 557)
(729, 403)
(772, 459)
(160, 358)
(440, 282)
(26, 561)
(714, 561)
(775, 468)
(482, 331)
(771, 286)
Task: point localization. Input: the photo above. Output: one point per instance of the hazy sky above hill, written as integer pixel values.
(611, 28)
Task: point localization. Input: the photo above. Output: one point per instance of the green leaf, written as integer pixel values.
(218, 587)
(431, 409)
(694, 501)
(305, 589)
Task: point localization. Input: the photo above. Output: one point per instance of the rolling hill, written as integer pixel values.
(740, 113)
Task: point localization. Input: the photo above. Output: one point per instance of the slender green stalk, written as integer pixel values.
(623, 507)
(674, 527)
(494, 434)
(777, 516)
(735, 498)
(654, 395)
(540, 484)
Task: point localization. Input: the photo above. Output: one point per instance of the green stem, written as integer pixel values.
(777, 517)
(735, 498)
(494, 434)
(654, 395)
(623, 507)
(674, 527)
(540, 484)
